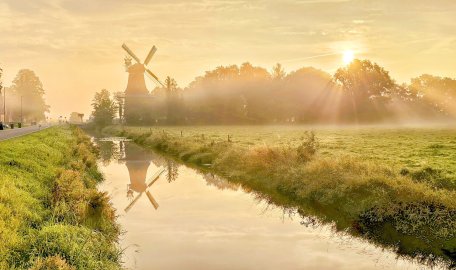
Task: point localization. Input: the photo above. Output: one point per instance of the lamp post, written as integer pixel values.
(4, 105)
(21, 110)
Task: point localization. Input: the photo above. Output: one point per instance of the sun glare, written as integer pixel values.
(348, 57)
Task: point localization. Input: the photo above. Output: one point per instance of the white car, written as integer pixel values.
(5, 126)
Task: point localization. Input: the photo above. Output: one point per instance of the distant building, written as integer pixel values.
(76, 118)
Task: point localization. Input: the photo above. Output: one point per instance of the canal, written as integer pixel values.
(186, 219)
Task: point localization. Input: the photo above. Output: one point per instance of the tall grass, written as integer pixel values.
(364, 197)
(51, 215)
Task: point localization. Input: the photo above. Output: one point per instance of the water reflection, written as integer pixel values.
(219, 182)
(109, 151)
(217, 224)
(138, 160)
(172, 170)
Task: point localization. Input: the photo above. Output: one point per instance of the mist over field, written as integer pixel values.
(361, 93)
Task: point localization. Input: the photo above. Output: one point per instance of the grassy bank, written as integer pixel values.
(51, 215)
(409, 208)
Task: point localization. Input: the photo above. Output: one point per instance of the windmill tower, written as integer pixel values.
(136, 94)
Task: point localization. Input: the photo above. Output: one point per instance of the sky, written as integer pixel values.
(74, 46)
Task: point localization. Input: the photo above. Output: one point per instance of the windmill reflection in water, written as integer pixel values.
(138, 161)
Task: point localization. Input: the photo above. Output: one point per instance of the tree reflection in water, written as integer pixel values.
(219, 182)
(172, 170)
(109, 151)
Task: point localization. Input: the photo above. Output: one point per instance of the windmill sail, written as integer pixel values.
(154, 178)
(152, 200)
(133, 202)
(154, 77)
(150, 55)
(130, 52)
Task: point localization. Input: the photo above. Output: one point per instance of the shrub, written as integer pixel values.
(308, 147)
(433, 177)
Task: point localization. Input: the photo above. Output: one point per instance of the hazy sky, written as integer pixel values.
(74, 46)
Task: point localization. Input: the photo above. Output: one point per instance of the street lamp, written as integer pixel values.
(4, 105)
(21, 110)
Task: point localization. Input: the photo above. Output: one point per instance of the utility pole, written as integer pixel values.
(4, 105)
(21, 110)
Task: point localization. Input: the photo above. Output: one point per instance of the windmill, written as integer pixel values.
(136, 93)
(141, 68)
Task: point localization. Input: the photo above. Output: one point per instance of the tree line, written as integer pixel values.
(361, 92)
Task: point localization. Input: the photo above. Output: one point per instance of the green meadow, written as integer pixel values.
(51, 215)
(392, 186)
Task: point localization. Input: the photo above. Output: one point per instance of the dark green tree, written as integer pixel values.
(104, 108)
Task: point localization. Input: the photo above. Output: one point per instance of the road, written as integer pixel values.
(17, 132)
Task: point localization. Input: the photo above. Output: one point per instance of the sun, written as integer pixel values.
(348, 56)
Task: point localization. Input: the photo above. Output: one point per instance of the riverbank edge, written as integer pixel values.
(52, 215)
(360, 197)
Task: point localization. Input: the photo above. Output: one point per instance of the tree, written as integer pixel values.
(360, 92)
(171, 84)
(278, 73)
(172, 104)
(28, 87)
(367, 87)
(305, 96)
(439, 92)
(120, 100)
(365, 80)
(104, 108)
(250, 73)
(2, 108)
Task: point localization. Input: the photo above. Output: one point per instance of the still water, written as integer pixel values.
(185, 219)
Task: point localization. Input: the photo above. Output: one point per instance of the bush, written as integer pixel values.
(433, 177)
(308, 147)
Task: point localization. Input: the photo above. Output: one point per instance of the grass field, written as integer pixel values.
(51, 215)
(414, 149)
(394, 186)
